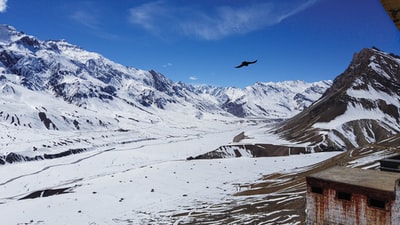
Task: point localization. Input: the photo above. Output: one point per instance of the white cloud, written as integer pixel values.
(193, 78)
(227, 21)
(85, 18)
(92, 16)
(214, 22)
(167, 65)
(87, 13)
(3, 5)
(149, 15)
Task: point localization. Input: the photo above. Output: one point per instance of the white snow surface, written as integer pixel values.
(357, 111)
(373, 95)
(376, 67)
(133, 180)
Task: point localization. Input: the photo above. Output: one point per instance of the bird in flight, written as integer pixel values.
(245, 63)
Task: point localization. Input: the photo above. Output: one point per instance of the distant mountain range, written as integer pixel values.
(57, 85)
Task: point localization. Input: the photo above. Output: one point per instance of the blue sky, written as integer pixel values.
(200, 41)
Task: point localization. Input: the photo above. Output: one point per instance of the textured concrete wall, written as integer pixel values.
(327, 208)
(396, 206)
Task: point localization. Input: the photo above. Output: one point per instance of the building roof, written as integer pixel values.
(373, 179)
(392, 7)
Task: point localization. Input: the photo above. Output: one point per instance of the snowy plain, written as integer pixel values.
(134, 182)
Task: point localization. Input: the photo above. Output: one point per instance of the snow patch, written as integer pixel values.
(373, 95)
(353, 111)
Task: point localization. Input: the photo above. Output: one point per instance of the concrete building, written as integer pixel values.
(340, 195)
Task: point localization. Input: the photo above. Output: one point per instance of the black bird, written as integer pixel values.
(245, 63)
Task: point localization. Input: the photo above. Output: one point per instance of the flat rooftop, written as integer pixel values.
(373, 179)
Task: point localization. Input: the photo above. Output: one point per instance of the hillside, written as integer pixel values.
(361, 107)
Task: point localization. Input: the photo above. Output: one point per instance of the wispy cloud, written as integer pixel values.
(90, 14)
(167, 65)
(149, 15)
(3, 6)
(214, 22)
(193, 78)
(86, 18)
(228, 20)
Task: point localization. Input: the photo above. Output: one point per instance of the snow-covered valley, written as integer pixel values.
(132, 180)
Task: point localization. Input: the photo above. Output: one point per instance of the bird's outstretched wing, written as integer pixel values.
(245, 63)
(241, 65)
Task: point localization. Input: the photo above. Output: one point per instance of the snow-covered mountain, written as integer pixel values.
(361, 107)
(92, 82)
(267, 100)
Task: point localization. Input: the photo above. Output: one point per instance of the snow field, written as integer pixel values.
(138, 183)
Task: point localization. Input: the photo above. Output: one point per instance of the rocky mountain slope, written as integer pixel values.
(362, 106)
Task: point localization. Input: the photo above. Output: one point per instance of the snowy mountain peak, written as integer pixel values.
(8, 33)
(362, 105)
